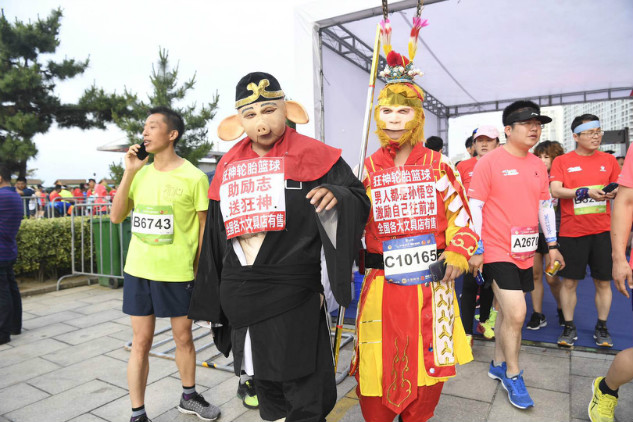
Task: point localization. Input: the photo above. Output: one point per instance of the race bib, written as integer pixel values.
(589, 205)
(524, 241)
(404, 200)
(407, 259)
(252, 196)
(153, 224)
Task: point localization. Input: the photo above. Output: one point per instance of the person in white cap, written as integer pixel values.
(485, 139)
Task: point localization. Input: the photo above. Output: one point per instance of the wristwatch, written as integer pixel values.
(550, 247)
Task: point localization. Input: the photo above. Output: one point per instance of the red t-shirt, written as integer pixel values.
(511, 188)
(574, 171)
(54, 194)
(465, 169)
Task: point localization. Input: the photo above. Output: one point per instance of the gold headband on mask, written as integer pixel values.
(397, 99)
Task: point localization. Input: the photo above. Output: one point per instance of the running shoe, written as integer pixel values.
(197, 405)
(247, 393)
(492, 318)
(142, 418)
(497, 372)
(568, 336)
(602, 336)
(486, 330)
(561, 317)
(517, 393)
(601, 406)
(536, 321)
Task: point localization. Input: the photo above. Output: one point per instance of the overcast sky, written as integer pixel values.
(219, 41)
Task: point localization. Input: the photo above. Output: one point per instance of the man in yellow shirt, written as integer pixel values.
(169, 199)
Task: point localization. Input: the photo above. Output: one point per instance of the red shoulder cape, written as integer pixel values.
(306, 159)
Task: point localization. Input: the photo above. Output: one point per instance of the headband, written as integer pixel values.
(594, 124)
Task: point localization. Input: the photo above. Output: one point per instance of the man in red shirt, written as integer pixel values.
(91, 187)
(509, 194)
(577, 178)
(486, 138)
(55, 193)
(605, 389)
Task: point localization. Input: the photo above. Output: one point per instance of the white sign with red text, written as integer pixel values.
(404, 200)
(252, 197)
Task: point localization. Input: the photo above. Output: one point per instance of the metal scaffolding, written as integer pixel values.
(347, 45)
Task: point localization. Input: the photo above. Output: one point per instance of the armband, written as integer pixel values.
(480, 248)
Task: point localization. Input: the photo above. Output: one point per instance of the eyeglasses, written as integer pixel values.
(531, 123)
(593, 134)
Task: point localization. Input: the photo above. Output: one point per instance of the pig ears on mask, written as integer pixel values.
(231, 128)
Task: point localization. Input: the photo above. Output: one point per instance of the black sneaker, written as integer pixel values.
(561, 317)
(197, 405)
(142, 418)
(246, 392)
(536, 321)
(602, 336)
(568, 336)
(4, 340)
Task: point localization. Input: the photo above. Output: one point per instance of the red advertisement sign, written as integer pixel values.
(252, 198)
(404, 200)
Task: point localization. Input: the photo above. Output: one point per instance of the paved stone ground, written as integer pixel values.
(69, 364)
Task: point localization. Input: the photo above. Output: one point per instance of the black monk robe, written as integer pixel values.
(277, 298)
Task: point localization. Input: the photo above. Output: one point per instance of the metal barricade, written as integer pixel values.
(108, 242)
(42, 207)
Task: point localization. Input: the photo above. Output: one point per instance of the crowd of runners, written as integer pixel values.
(570, 195)
(242, 255)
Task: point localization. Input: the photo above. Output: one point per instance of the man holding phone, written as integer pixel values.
(580, 178)
(169, 199)
(509, 196)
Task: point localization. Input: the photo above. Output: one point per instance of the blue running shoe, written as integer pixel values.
(497, 372)
(517, 393)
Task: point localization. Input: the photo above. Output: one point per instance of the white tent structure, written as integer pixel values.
(477, 56)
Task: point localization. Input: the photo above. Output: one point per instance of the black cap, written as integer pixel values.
(526, 114)
(255, 87)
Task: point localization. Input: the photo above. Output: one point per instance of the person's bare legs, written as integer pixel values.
(512, 309)
(604, 296)
(138, 365)
(568, 298)
(185, 350)
(537, 293)
(499, 355)
(621, 369)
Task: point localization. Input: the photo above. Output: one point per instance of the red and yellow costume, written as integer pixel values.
(410, 337)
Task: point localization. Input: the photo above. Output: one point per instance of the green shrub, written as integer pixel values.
(44, 245)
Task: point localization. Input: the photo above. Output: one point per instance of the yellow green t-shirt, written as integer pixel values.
(65, 194)
(185, 190)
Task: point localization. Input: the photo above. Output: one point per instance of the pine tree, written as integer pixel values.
(28, 103)
(194, 144)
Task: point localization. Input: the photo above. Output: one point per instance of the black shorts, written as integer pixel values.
(509, 277)
(593, 250)
(142, 297)
(542, 245)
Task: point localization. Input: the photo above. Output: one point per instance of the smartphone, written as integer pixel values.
(610, 187)
(438, 270)
(142, 152)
